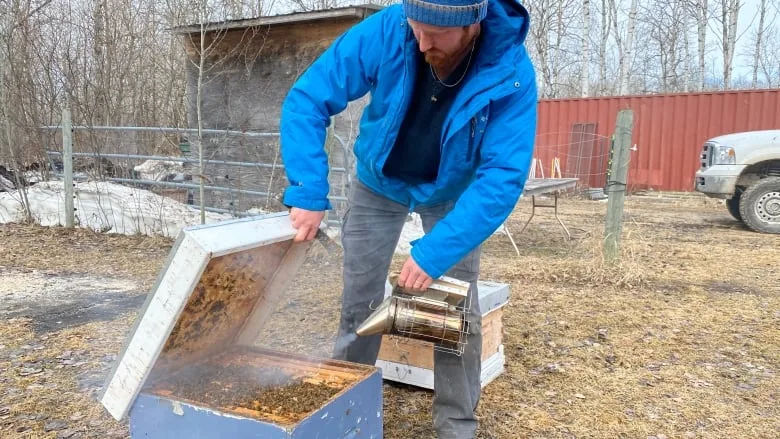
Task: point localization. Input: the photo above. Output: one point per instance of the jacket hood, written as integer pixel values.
(505, 27)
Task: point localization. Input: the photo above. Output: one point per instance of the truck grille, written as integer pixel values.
(706, 155)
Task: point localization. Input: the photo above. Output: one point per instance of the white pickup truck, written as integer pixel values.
(744, 169)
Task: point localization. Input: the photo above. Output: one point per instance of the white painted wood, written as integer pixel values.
(234, 236)
(492, 295)
(402, 373)
(154, 327)
(492, 368)
(195, 247)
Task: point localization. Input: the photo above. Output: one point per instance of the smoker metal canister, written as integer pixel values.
(419, 318)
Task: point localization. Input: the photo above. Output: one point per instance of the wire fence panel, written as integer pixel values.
(580, 154)
(242, 173)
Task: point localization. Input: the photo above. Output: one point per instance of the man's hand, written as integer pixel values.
(413, 277)
(306, 222)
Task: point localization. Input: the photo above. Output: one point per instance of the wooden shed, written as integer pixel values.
(246, 70)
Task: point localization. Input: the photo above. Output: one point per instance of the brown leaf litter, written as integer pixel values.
(680, 339)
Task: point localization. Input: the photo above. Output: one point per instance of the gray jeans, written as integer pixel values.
(370, 232)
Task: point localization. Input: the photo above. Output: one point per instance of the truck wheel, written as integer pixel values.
(733, 205)
(760, 205)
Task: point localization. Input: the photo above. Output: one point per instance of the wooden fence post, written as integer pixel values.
(616, 185)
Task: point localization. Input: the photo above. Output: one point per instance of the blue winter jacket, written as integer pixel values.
(487, 139)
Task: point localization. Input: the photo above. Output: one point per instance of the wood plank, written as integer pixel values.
(407, 352)
(234, 236)
(492, 333)
(157, 321)
(416, 376)
(327, 363)
(208, 288)
(417, 353)
(309, 366)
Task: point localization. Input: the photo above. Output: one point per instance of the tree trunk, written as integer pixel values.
(605, 28)
(629, 47)
(199, 110)
(702, 17)
(759, 41)
(686, 74)
(8, 23)
(729, 15)
(555, 61)
(585, 47)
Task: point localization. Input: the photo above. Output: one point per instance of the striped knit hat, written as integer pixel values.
(446, 12)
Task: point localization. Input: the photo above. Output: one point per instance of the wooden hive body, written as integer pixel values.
(411, 361)
(190, 368)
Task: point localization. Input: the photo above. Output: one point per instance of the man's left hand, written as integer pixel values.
(413, 277)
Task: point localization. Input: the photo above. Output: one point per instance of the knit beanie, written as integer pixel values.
(446, 12)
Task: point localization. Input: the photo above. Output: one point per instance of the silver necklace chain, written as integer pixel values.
(468, 64)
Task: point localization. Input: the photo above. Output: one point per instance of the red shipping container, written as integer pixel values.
(669, 131)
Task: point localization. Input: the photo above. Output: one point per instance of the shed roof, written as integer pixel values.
(358, 11)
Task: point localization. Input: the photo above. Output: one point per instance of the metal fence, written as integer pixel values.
(240, 174)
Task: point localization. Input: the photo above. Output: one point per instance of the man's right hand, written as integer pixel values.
(306, 222)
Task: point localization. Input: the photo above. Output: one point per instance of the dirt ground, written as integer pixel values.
(681, 339)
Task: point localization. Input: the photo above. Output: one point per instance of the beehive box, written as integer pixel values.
(411, 361)
(190, 367)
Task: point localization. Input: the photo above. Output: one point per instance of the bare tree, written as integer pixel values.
(766, 26)
(665, 26)
(19, 104)
(584, 77)
(726, 17)
(604, 37)
(554, 47)
(625, 48)
(685, 77)
(702, 15)
(315, 5)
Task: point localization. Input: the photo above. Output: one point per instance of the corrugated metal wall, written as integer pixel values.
(669, 131)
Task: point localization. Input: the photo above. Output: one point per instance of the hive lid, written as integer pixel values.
(219, 285)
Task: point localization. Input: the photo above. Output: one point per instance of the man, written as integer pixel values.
(448, 133)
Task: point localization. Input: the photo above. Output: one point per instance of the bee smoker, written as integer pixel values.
(437, 315)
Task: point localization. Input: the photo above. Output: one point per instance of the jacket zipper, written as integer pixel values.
(494, 95)
(470, 150)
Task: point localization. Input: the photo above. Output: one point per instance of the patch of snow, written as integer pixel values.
(257, 211)
(158, 169)
(413, 229)
(106, 207)
(33, 176)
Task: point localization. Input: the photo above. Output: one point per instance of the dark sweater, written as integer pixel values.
(416, 153)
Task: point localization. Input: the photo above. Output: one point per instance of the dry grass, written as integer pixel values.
(81, 251)
(681, 339)
(72, 363)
